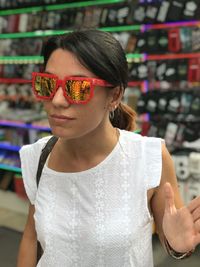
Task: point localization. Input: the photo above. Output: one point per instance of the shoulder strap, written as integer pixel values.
(43, 157)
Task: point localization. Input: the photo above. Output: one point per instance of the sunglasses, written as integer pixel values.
(77, 90)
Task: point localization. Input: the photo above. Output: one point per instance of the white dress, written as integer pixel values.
(97, 217)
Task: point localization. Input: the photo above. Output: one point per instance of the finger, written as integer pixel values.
(197, 226)
(169, 198)
(194, 204)
(197, 239)
(196, 214)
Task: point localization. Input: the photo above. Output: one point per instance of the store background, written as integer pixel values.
(162, 41)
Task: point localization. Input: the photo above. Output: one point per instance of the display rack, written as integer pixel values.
(57, 7)
(23, 125)
(142, 28)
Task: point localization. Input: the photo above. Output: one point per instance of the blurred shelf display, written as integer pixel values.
(161, 42)
(57, 6)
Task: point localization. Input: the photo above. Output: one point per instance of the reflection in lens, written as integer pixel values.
(78, 90)
(44, 85)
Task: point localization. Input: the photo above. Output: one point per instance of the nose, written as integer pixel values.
(59, 99)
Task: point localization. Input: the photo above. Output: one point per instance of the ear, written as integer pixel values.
(115, 96)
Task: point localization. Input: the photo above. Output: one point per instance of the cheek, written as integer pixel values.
(99, 105)
(94, 113)
(101, 99)
(46, 106)
(89, 120)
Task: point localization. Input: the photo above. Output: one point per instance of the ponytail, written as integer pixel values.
(124, 118)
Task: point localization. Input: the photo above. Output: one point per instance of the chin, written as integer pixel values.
(63, 133)
(72, 132)
(58, 131)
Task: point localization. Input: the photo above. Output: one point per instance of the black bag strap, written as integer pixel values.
(43, 157)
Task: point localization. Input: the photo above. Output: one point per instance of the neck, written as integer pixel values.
(100, 141)
(85, 152)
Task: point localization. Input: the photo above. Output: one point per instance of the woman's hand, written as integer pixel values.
(181, 227)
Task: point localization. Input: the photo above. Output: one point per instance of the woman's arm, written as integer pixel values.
(177, 223)
(28, 248)
(158, 200)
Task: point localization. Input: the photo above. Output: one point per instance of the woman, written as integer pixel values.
(102, 184)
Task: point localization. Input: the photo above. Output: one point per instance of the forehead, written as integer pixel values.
(64, 63)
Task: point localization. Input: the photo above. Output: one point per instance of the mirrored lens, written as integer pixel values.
(44, 86)
(78, 90)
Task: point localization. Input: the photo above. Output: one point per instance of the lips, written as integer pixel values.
(61, 117)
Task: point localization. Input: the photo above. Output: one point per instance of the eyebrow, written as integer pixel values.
(77, 75)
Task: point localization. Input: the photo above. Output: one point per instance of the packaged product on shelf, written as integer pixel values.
(23, 23)
(13, 22)
(131, 43)
(186, 39)
(183, 189)
(194, 70)
(174, 44)
(151, 12)
(182, 166)
(123, 38)
(195, 39)
(6, 178)
(163, 11)
(175, 10)
(193, 190)
(3, 24)
(191, 10)
(19, 186)
(139, 13)
(194, 164)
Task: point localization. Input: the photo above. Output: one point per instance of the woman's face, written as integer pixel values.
(74, 120)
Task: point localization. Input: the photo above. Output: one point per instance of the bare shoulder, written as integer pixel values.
(168, 175)
(167, 166)
(168, 169)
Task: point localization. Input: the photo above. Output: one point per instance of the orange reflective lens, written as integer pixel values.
(78, 90)
(44, 86)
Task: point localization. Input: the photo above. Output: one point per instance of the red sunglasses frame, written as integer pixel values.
(61, 83)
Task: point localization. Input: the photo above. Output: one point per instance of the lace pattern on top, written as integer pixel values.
(98, 217)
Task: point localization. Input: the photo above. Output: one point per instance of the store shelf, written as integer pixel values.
(21, 59)
(172, 84)
(146, 27)
(9, 168)
(23, 125)
(6, 146)
(133, 84)
(82, 4)
(141, 28)
(122, 28)
(57, 32)
(173, 56)
(57, 7)
(15, 80)
(39, 59)
(32, 34)
(169, 56)
(168, 25)
(147, 57)
(132, 57)
(8, 12)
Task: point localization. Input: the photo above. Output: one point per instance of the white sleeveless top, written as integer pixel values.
(97, 217)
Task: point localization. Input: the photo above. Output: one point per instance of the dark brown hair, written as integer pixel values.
(103, 55)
